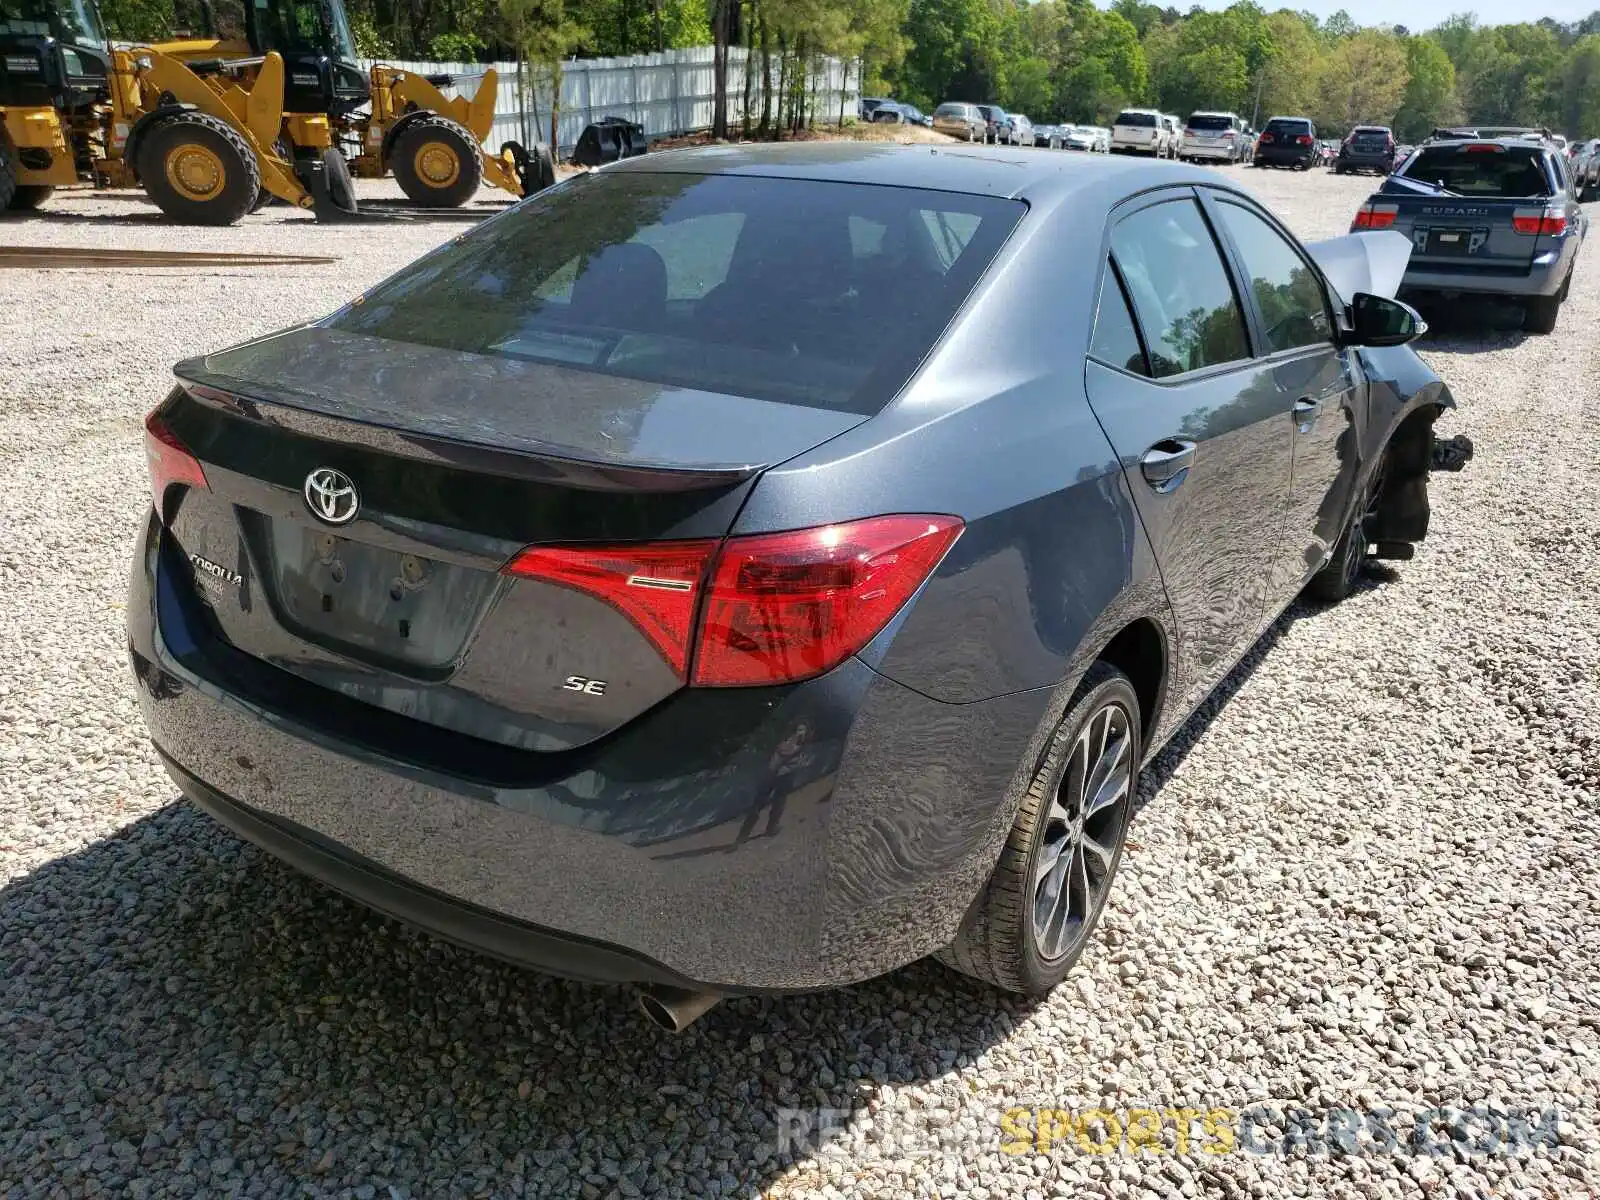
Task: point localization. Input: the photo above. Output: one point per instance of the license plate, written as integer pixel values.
(1450, 241)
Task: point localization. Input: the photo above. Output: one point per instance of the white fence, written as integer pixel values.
(667, 93)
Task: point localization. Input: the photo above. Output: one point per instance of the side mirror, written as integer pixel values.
(1380, 321)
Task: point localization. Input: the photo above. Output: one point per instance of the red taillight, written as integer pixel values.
(1304, 141)
(168, 460)
(656, 585)
(1266, 137)
(786, 606)
(777, 607)
(1485, 148)
(1539, 220)
(1375, 216)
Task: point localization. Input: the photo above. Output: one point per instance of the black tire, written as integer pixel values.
(26, 197)
(222, 184)
(8, 177)
(336, 172)
(285, 151)
(1341, 573)
(997, 942)
(545, 166)
(437, 163)
(1540, 313)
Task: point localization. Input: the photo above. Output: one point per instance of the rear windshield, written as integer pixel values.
(950, 110)
(1511, 171)
(1370, 135)
(1136, 118)
(1289, 127)
(751, 286)
(1210, 123)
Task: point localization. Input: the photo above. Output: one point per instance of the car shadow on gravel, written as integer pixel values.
(183, 1011)
(1471, 325)
(1160, 769)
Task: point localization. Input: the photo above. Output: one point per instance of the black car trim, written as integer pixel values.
(479, 929)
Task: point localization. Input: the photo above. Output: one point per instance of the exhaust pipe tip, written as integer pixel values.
(675, 1009)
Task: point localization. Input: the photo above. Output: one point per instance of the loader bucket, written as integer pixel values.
(609, 139)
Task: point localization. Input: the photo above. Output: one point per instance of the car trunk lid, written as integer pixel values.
(397, 594)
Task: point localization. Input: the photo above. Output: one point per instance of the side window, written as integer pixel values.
(1294, 311)
(1116, 341)
(1179, 288)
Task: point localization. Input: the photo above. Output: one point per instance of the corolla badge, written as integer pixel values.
(331, 496)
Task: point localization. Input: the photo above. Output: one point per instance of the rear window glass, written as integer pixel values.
(1515, 171)
(750, 286)
(1136, 118)
(1209, 123)
(1288, 126)
(950, 110)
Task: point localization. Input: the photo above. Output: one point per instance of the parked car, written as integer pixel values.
(961, 120)
(1367, 148)
(1287, 142)
(1138, 131)
(870, 105)
(895, 113)
(1171, 135)
(1048, 136)
(1018, 130)
(1082, 137)
(646, 634)
(1586, 168)
(1217, 136)
(996, 122)
(1497, 217)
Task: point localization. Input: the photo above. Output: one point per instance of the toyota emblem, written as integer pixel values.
(331, 496)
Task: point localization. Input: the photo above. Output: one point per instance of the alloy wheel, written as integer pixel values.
(1083, 832)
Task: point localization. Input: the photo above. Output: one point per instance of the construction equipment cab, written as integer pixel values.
(53, 63)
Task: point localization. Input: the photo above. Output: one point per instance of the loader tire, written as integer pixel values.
(437, 163)
(546, 166)
(199, 170)
(29, 196)
(8, 177)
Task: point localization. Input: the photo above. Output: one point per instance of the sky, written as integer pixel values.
(1419, 15)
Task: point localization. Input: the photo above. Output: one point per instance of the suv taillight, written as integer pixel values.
(1375, 216)
(762, 608)
(1539, 220)
(169, 462)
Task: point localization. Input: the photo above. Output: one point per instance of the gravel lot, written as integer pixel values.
(1371, 879)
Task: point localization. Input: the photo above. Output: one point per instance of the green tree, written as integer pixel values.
(1362, 82)
(1430, 95)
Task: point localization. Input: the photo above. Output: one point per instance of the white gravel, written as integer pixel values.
(1369, 880)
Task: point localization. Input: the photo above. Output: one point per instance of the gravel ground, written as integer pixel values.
(1369, 880)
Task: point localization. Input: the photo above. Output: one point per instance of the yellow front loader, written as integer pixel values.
(213, 127)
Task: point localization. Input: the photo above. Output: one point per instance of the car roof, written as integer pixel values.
(976, 170)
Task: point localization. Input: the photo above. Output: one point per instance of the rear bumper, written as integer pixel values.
(1276, 157)
(1207, 150)
(670, 851)
(1364, 162)
(1542, 279)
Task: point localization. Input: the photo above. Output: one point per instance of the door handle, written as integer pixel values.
(1166, 464)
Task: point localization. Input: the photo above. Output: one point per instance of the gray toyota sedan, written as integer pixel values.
(674, 581)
